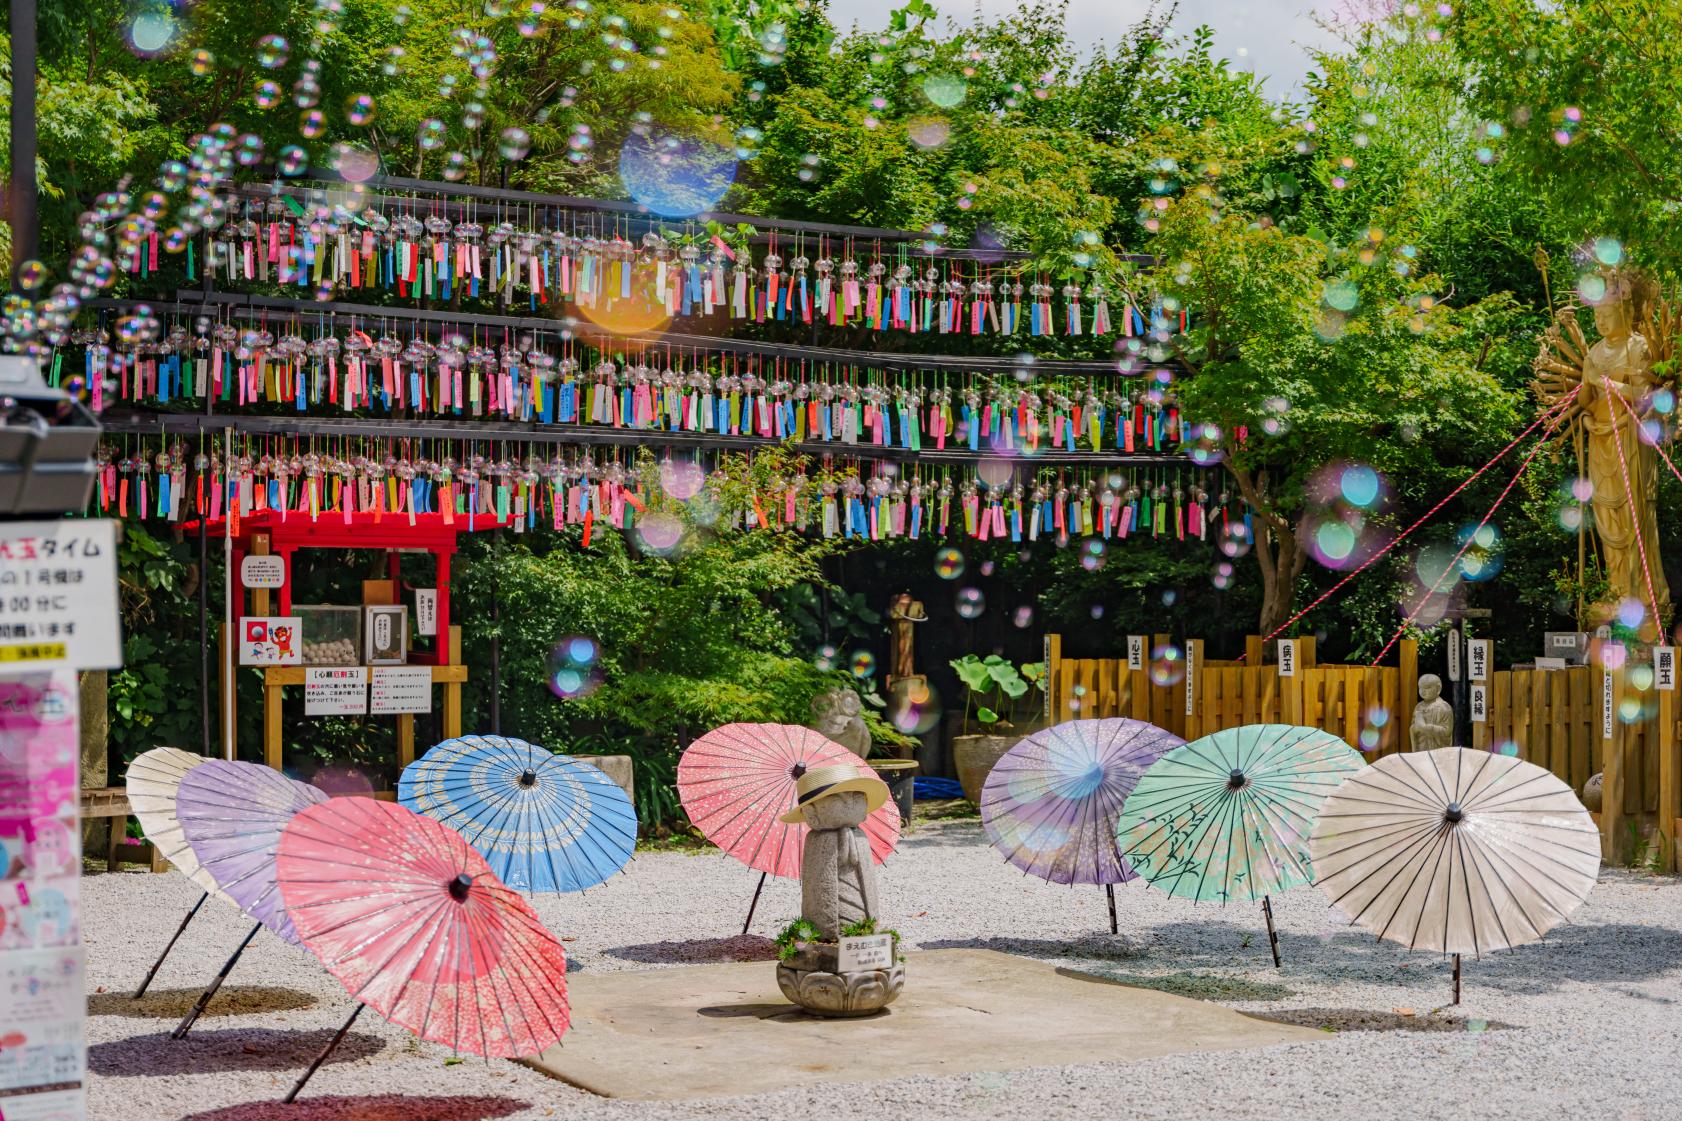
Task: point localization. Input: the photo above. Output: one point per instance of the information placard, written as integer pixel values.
(335, 691)
(1287, 657)
(426, 611)
(1191, 678)
(1480, 704)
(400, 689)
(1664, 667)
(1454, 640)
(271, 640)
(1477, 659)
(58, 596)
(1135, 651)
(262, 571)
(866, 951)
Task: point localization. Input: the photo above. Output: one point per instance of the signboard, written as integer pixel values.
(385, 635)
(1664, 668)
(1607, 716)
(426, 611)
(866, 951)
(42, 999)
(1287, 657)
(58, 596)
(262, 572)
(335, 691)
(1135, 652)
(400, 689)
(1480, 704)
(1477, 659)
(271, 640)
(1191, 678)
(1454, 654)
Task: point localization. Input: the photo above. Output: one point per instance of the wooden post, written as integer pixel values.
(1290, 690)
(1194, 689)
(452, 689)
(1253, 652)
(1053, 658)
(1165, 710)
(259, 596)
(1408, 662)
(272, 745)
(1611, 732)
(230, 701)
(1670, 780)
(1305, 653)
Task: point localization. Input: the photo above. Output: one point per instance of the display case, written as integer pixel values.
(386, 635)
(332, 635)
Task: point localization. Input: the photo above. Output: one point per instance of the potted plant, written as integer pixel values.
(1001, 702)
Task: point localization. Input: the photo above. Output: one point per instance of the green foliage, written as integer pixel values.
(1000, 684)
(793, 936)
(149, 708)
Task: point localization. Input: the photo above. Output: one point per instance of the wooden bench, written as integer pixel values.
(112, 802)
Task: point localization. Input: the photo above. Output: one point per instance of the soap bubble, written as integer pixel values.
(201, 62)
(913, 706)
(273, 51)
(945, 90)
(1483, 552)
(1023, 617)
(1222, 579)
(659, 533)
(312, 122)
(266, 94)
(675, 176)
(993, 471)
(1167, 665)
(1359, 485)
(681, 479)
(293, 160)
(1092, 554)
(824, 658)
(151, 32)
(430, 134)
(928, 132)
(970, 603)
(948, 563)
(31, 275)
(573, 667)
(862, 664)
(514, 143)
(455, 166)
(1608, 251)
(359, 109)
(1236, 538)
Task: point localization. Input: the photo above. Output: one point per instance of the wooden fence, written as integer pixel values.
(1576, 722)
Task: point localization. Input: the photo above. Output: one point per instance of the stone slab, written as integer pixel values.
(722, 1030)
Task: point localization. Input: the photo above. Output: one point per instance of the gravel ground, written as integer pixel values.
(1584, 1025)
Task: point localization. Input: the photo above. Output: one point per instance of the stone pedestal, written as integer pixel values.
(811, 979)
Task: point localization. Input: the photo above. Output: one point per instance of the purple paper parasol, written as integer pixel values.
(1050, 803)
(232, 815)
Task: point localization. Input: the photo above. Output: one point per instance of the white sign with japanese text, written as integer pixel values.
(426, 611)
(1287, 657)
(1664, 667)
(262, 571)
(1135, 651)
(1480, 704)
(58, 596)
(1477, 658)
(335, 691)
(866, 951)
(400, 689)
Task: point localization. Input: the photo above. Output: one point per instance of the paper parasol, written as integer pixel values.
(152, 784)
(736, 781)
(232, 814)
(1455, 851)
(415, 925)
(1050, 803)
(542, 821)
(1227, 816)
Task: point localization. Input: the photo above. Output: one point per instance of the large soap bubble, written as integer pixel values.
(675, 176)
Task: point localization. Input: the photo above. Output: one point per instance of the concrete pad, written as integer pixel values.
(721, 1030)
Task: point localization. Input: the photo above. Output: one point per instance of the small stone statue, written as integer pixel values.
(837, 890)
(1433, 718)
(837, 877)
(837, 712)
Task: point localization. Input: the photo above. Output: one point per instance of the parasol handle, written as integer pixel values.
(1456, 978)
(153, 972)
(1272, 934)
(187, 1022)
(338, 1038)
(1109, 890)
(755, 904)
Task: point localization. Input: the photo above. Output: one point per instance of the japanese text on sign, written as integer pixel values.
(866, 951)
(58, 596)
(1664, 667)
(400, 689)
(1135, 651)
(1477, 658)
(335, 691)
(1287, 657)
(1480, 704)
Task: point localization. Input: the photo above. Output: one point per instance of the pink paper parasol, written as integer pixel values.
(736, 781)
(414, 924)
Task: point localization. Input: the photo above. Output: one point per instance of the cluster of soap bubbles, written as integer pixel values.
(913, 706)
(1167, 664)
(1343, 501)
(969, 603)
(574, 667)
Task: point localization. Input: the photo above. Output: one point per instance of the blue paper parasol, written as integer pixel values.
(542, 821)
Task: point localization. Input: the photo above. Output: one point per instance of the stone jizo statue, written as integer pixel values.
(1433, 717)
(837, 718)
(837, 875)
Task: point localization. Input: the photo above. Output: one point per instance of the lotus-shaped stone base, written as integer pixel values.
(811, 980)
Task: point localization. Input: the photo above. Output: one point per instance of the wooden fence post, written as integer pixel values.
(1254, 654)
(1670, 775)
(1290, 691)
(1408, 664)
(1194, 688)
(1612, 743)
(1053, 659)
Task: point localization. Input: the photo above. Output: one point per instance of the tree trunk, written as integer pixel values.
(1279, 555)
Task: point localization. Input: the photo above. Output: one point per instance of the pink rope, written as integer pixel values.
(1423, 518)
(1473, 536)
(1629, 493)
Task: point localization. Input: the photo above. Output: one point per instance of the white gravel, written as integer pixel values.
(1584, 1025)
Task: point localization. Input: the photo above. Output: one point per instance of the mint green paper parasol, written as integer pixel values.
(1227, 817)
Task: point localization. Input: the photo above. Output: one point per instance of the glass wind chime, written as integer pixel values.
(539, 262)
(528, 487)
(658, 391)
